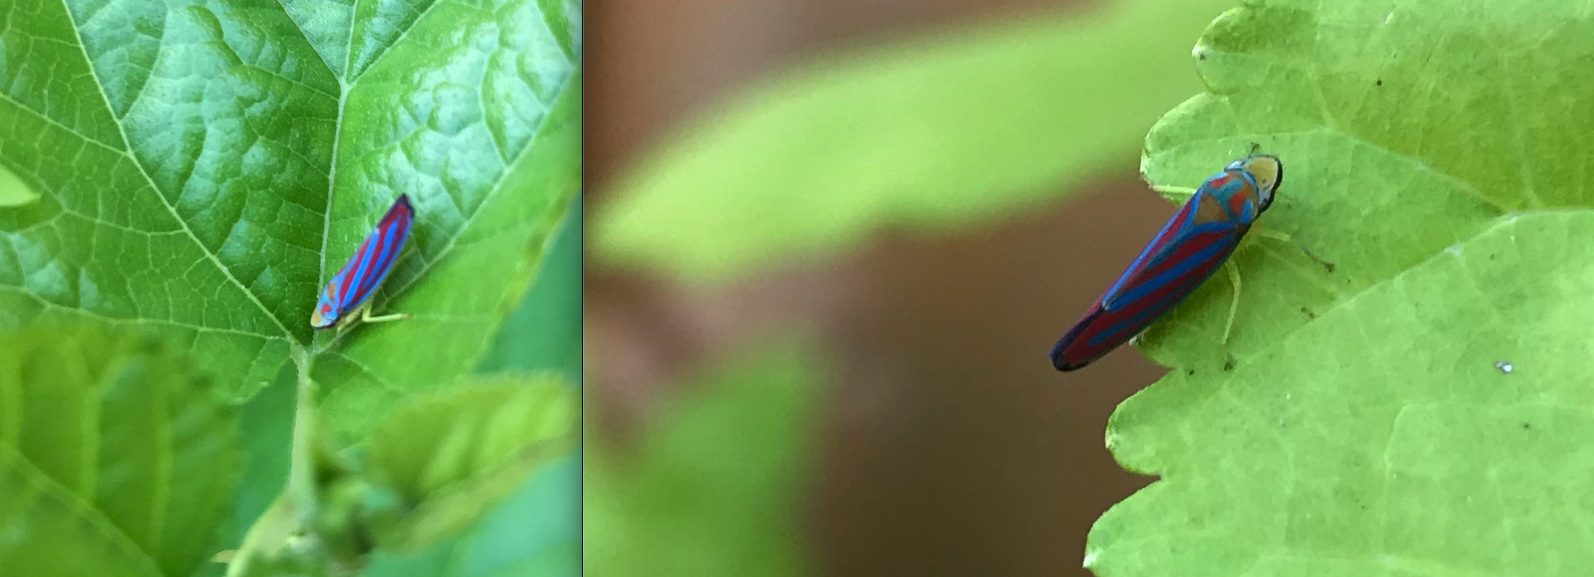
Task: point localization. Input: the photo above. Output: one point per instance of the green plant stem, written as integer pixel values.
(302, 466)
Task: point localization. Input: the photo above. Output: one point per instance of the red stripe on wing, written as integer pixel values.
(352, 285)
(1170, 231)
(1112, 327)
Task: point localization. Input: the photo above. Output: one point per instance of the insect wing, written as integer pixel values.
(371, 262)
(1190, 247)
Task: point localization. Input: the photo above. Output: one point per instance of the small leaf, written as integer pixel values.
(933, 134)
(14, 192)
(1359, 425)
(450, 457)
(536, 532)
(115, 456)
(723, 466)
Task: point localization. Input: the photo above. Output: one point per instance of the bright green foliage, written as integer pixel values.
(204, 165)
(534, 532)
(712, 487)
(1434, 153)
(449, 457)
(115, 457)
(928, 135)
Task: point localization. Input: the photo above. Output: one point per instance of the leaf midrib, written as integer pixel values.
(345, 87)
(127, 150)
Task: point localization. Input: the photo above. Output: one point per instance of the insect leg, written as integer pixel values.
(337, 335)
(1284, 237)
(1234, 305)
(365, 317)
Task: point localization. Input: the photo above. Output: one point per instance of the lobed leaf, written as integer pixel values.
(1360, 424)
(204, 165)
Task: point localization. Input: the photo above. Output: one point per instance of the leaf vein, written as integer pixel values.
(126, 143)
(480, 208)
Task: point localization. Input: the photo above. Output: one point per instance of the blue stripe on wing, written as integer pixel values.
(1140, 287)
(1180, 220)
(380, 261)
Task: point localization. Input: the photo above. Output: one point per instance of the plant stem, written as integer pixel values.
(302, 467)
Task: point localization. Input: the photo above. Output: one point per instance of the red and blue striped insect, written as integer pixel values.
(1190, 247)
(348, 295)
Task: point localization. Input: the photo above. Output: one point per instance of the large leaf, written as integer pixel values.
(205, 165)
(929, 134)
(1433, 153)
(713, 488)
(115, 456)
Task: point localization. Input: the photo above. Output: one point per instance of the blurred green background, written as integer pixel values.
(823, 274)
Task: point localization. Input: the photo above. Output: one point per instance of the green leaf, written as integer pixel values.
(267, 420)
(204, 166)
(1433, 153)
(932, 134)
(14, 192)
(450, 457)
(544, 332)
(115, 456)
(712, 487)
(525, 535)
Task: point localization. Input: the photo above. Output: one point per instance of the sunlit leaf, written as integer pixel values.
(1357, 422)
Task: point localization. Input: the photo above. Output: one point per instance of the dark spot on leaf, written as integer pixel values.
(1308, 312)
(1228, 364)
(1190, 372)
(1378, 82)
(1526, 426)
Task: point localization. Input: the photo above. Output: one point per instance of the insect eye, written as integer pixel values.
(326, 308)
